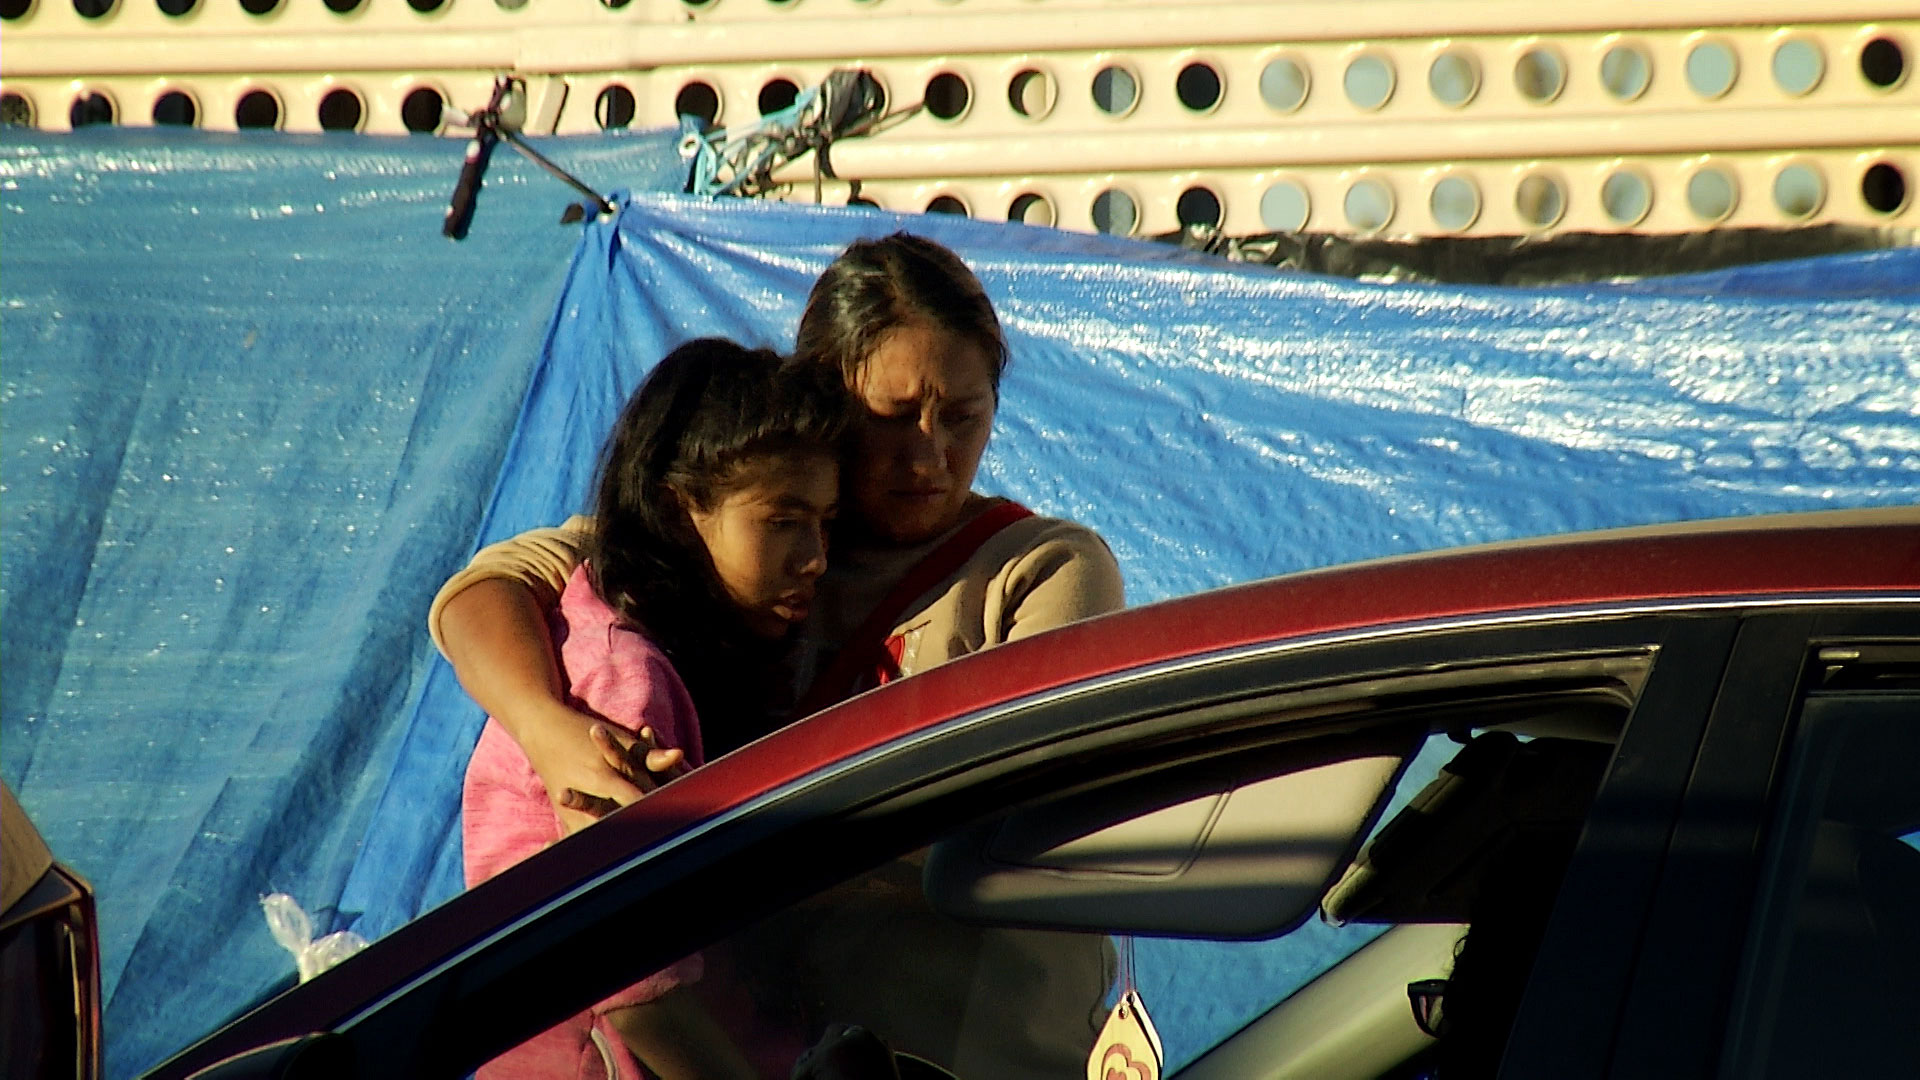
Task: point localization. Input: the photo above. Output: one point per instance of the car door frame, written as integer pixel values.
(895, 798)
(1651, 999)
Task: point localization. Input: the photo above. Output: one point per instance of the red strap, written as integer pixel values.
(871, 651)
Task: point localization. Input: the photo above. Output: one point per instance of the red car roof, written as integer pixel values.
(1845, 553)
(1840, 554)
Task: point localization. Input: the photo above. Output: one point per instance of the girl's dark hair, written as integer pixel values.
(878, 286)
(710, 418)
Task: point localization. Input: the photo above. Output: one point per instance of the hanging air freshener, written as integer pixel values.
(1128, 1048)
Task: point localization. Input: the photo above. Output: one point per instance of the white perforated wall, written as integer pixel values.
(1390, 117)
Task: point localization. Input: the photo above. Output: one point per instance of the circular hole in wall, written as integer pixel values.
(257, 109)
(426, 7)
(1799, 191)
(175, 109)
(1284, 206)
(614, 4)
(343, 7)
(93, 9)
(15, 9)
(1883, 63)
(1114, 212)
(614, 108)
(1032, 208)
(16, 110)
(1712, 194)
(1369, 205)
(341, 110)
(91, 108)
(1884, 188)
(1032, 93)
(176, 8)
(420, 110)
(1712, 67)
(777, 94)
(1626, 197)
(1198, 86)
(1541, 200)
(259, 7)
(1115, 90)
(1455, 203)
(948, 96)
(1284, 84)
(698, 100)
(1454, 78)
(510, 5)
(1368, 81)
(1540, 74)
(947, 204)
(1199, 206)
(1798, 66)
(1625, 72)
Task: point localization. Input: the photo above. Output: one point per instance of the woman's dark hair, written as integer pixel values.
(710, 418)
(878, 286)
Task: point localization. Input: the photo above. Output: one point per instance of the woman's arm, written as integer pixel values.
(540, 560)
(490, 621)
(495, 636)
(1068, 575)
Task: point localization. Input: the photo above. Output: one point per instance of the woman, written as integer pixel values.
(923, 570)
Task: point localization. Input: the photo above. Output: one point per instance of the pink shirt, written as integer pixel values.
(620, 675)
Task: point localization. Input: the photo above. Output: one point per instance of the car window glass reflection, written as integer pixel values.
(1829, 983)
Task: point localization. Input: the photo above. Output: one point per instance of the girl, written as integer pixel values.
(714, 494)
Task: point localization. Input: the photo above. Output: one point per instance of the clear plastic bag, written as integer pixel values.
(294, 931)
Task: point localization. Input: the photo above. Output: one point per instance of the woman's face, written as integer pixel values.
(929, 401)
(768, 541)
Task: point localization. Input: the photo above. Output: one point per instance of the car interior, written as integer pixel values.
(1474, 856)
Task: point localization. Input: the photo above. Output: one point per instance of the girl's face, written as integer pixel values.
(768, 540)
(929, 402)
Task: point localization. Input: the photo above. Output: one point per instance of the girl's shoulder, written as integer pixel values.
(581, 604)
(594, 624)
(620, 673)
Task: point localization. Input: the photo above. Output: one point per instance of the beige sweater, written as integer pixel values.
(1033, 575)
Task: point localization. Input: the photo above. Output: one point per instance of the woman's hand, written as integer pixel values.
(575, 771)
(637, 760)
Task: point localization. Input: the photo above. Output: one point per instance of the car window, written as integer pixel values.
(1010, 1003)
(1828, 984)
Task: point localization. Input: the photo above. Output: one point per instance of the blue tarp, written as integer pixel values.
(255, 410)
